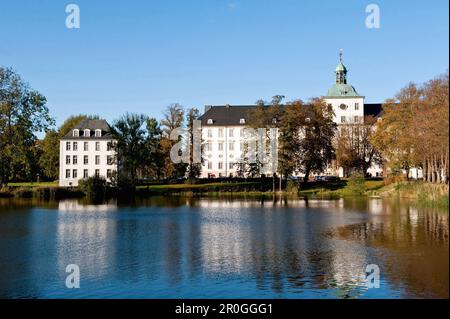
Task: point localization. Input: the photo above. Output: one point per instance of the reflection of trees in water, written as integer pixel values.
(414, 243)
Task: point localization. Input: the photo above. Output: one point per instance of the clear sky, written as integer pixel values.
(140, 56)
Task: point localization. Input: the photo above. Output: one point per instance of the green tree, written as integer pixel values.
(23, 112)
(130, 133)
(49, 159)
(154, 153)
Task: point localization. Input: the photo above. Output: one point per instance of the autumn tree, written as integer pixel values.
(413, 130)
(354, 150)
(173, 118)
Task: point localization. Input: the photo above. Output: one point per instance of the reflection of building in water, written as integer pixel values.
(85, 236)
(225, 238)
(375, 206)
(74, 205)
(348, 269)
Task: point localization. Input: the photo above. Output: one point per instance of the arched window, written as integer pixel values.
(76, 132)
(87, 133)
(98, 133)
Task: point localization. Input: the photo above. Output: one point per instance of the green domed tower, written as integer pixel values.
(341, 88)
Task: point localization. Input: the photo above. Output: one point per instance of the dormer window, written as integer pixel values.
(98, 133)
(87, 133)
(210, 121)
(242, 121)
(76, 133)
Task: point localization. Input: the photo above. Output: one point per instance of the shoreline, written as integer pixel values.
(421, 193)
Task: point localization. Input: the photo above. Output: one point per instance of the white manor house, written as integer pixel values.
(223, 127)
(86, 151)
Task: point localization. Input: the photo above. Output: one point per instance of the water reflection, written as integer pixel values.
(205, 247)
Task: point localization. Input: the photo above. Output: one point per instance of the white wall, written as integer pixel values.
(80, 166)
(348, 113)
(226, 155)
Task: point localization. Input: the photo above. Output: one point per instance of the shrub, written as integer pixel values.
(355, 184)
(93, 187)
(292, 187)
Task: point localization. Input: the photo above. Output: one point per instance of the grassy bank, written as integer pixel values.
(236, 187)
(421, 193)
(339, 189)
(39, 190)
(425, 194)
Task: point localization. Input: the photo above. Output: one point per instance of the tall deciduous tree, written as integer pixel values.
(23, 112)
(173, 118)
(130, 133)
(414, 130)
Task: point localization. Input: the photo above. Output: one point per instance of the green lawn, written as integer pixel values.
(188, 187)
(34, 184)
(339, 188)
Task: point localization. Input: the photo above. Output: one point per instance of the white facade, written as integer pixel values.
(223, 126)
(347, 110)
(86, 156)
(223, 147)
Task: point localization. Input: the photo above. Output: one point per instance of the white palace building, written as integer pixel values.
(86, 150)
(223, 126)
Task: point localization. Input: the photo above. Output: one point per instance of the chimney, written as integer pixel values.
(207, 108)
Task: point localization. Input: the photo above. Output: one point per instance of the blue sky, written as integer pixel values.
(140, 56)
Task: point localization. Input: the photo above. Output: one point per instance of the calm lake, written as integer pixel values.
(177, 247)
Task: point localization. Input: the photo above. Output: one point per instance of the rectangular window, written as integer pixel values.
(220, 165)
(108, 173)
(241, 132)
(210, 165)
(67, 159)
(67, 173)
(231, 146)
(109, 160)
(209, 132)
(230, 165)
(75, 146)
(230, 132)
(97, 173)
(85, 173)
(85, 160)
(86, 148)
(220, 132)
(356, 106)
(220, 146)
(109, 146)
(343, 119)
(97, 146)
(356, 119)
(75, 160)
(67, 146)
(74, 173)
(97, 159)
